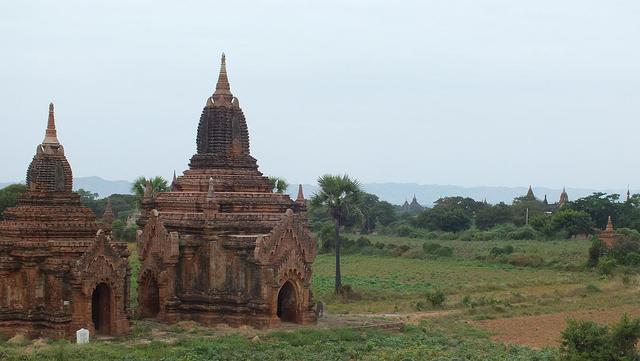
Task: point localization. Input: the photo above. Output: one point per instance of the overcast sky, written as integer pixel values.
(473, 92)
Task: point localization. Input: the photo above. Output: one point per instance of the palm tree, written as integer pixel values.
(158, 184)
(278, 185)
(341, 197)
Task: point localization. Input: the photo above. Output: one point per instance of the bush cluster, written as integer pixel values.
(501, 251)
(586, 340)
(525, 260)
(435, 249)
(434, 298)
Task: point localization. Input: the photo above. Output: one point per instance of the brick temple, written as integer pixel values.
(222, 247)
(58, 272)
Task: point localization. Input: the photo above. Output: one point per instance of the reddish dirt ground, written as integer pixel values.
(545, 330)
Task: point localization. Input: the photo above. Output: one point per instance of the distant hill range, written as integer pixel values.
(395, 193)
(103, 187)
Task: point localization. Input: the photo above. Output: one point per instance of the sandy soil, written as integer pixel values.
(545, 330)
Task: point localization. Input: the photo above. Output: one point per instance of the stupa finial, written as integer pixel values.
(222, 93)
(609, 224)
(51, 135)
(300, 197)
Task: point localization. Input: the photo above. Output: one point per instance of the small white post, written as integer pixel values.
(82, 336)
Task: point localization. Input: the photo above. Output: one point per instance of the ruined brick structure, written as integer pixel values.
(608, 236)
(58, 272)
(221, 247)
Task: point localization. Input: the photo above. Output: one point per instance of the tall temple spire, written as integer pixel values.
(300, 197)
(628, 193)
(222, 94)
(50, 135)
(609, 224)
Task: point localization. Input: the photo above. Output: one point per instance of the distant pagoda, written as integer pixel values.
(221, 247)
(57, 275)
(413, 207)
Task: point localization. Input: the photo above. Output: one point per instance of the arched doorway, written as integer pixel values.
(288, 303)
(101, 309)
(149, 298)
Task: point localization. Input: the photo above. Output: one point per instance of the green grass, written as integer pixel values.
(448, 339)
(389, 284)
(563, 251)
(396, 284)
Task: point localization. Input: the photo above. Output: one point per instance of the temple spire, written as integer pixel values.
(50, 135)
(108, 216)
(628, 193)
(300, 197)
(174, 183)
(609, 224)
(222, 93)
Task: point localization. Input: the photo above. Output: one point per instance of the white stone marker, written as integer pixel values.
(82, 336)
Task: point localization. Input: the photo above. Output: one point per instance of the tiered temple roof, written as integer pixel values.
(52, 261)
(49, 209)
(236, 243)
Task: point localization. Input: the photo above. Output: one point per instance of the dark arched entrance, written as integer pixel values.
(149, 298)
(287, 303)
(101, 309)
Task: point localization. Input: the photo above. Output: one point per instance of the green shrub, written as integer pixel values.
(632, 259)
(522, 233)
(591, 288)
(474, 235)
(436, 249)
(363, 242)
(404, 230)
(431, 248)
(583, 340)
(595, 251)
(629, 234)
(623, 247)
(606, 265)
(444, 252)
(436, 297)
(525, 260)
(586, 340)
(502, 231)
(624, 338)
(430, 235)
(413, 253)
(399, 250)
(498, 251)
(447, 236)
(482, 236)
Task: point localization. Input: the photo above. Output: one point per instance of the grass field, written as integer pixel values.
(474, 285)
(394, 288)
(443, 339)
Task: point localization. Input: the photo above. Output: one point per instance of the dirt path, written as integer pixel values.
(411, 318)
(545, 330)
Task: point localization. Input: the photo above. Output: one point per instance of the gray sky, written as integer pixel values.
(473, 92)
